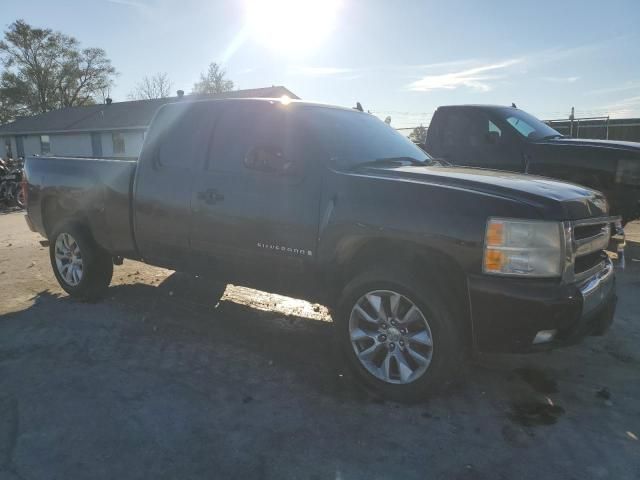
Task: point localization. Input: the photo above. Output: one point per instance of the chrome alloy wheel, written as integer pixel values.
(391, 337)
(68, 259)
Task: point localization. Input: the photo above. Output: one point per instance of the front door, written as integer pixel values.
(255, 207)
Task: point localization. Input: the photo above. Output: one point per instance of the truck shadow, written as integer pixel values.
(302, 347)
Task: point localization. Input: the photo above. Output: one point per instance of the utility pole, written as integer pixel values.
(571, 119)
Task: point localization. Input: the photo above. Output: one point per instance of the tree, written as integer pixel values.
(418, 134)
(8, 111)
(156, 86)
(213, 81)
(47, 70)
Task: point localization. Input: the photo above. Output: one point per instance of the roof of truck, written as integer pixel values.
(131, 115)
(476, 105)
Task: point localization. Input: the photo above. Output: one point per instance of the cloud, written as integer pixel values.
(476, 78)
(561, 79)
(627, 107)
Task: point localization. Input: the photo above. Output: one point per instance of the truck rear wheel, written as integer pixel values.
(83, 269)
(399, 334)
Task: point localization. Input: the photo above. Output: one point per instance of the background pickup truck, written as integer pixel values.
(505, 138)
(419, 263)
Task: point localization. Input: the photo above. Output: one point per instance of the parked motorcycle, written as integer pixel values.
(11, 174)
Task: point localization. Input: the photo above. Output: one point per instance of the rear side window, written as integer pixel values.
(455, 126)
(470, 129)
(181, 134)
(247, 126)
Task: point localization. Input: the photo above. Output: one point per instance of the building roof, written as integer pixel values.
(130, 115)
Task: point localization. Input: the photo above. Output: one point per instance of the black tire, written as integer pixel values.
(449, 350)
(97, 264)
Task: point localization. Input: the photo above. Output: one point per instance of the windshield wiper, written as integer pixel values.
(555, 135)
(392, 161)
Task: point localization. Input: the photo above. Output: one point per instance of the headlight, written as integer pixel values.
(527, 248)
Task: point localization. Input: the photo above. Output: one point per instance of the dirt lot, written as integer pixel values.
(154, 383)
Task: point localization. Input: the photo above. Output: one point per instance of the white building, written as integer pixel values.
(106, 130)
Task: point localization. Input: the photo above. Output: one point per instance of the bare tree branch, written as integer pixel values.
(213, 81)
(156, 86)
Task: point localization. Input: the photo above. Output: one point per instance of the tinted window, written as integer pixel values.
(350, 137)
(181, 134)
(455, 128)
(527, 125)
(494, 128)
(247, 126)
(463, 129)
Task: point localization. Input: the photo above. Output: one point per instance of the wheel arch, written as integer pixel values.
(438, 268)
(53, 212)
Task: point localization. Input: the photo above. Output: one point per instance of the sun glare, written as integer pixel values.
(292, 25)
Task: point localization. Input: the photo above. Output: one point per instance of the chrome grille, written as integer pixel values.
(591, 238)
(585, 245)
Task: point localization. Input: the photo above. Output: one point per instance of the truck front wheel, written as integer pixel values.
(83, 269)
(399, 333)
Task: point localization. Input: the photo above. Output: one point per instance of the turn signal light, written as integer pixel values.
(495, 234)
(494, 260)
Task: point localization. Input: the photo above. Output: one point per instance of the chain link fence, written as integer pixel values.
(605, 128)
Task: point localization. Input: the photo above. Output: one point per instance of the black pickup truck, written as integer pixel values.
(506, 138)
(419, 263)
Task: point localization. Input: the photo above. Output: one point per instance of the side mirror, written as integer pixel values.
(268, 159)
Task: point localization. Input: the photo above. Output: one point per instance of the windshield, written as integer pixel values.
(527, 125)
(351, 138)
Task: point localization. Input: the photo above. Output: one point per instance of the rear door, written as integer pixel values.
(255, 206)
(175, 148)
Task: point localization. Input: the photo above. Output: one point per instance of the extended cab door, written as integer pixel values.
(176, 145)
(255, 205)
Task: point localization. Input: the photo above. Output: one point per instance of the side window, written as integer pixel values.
(494, 130)
(482, 132)
(181, 134)
(255, 137)
(521, 126)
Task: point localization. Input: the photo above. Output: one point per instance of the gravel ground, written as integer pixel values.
(156, 383)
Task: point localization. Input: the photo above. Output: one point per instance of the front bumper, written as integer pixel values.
(507, 313)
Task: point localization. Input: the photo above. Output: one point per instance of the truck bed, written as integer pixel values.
(97, 189)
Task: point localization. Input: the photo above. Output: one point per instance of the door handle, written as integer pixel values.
(211, 196)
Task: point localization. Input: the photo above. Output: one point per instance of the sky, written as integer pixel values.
(400, 58)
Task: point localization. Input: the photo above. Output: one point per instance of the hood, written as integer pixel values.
(567, 200)
(593, 143)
